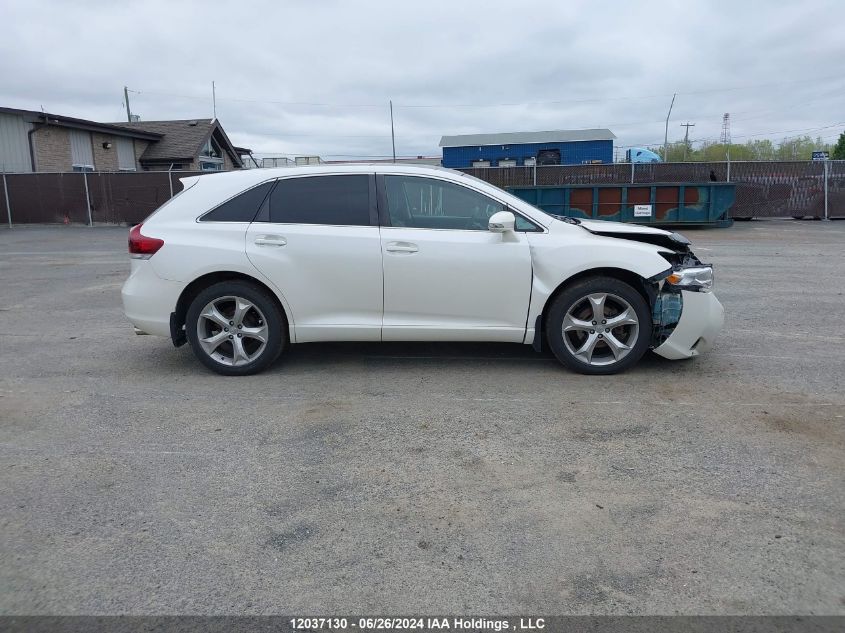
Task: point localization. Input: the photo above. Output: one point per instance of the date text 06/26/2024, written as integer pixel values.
(416, 624)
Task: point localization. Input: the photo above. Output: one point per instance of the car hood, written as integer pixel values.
(637, 233)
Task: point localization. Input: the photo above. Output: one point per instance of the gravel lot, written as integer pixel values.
(422, 478)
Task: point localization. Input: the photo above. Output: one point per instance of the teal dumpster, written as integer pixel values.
(653, 203)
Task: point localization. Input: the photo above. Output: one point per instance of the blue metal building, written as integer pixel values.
(510, 149)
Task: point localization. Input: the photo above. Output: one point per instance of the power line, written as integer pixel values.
(487, 104)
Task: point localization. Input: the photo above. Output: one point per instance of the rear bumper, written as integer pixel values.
(701, 321)
(148, 299)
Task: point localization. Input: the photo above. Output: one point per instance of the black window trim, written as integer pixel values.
(384, 215)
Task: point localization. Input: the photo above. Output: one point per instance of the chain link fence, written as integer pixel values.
(763, 189)
(89, 197)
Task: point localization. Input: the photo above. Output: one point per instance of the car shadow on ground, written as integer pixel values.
(404, 356)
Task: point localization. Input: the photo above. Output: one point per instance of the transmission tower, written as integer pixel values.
(725, 139)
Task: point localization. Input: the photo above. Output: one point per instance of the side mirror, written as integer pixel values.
(501, 222)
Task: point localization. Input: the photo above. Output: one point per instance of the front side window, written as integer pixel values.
(426, 203)
(241, 208)
(335, 200)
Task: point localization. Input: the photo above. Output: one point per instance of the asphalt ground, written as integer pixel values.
(422, 478)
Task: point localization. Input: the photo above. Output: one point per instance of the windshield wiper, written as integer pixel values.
(567, 219)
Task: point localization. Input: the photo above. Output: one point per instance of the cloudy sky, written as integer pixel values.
(315, 77)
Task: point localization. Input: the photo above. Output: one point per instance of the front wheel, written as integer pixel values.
(235, 328)
(600, 325)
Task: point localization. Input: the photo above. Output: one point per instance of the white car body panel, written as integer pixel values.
(701, 319)
(567, 250)
(342, 283)
(455, 285)
(621, 227)
(148, 299)
(331, 275)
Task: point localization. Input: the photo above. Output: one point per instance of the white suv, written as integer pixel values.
(240, 264)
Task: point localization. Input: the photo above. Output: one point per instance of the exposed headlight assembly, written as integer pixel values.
(694, 278)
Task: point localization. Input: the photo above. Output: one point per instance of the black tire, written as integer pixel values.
(573, 296)
(798, 217)
(276, 336)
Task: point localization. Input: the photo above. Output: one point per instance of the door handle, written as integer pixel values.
(401, 247)
(270, 240)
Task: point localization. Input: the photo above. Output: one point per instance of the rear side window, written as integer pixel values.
(337, 200)
(241, 208)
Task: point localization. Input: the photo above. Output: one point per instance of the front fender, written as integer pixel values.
(556, 260)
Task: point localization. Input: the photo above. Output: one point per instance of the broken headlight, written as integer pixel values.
(695, 278)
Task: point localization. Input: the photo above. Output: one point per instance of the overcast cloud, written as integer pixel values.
(777, 67)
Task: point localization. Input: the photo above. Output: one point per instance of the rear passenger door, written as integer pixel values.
(317, 238)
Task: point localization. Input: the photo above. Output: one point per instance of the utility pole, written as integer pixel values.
(666, 136)
(726, 141)
(214, 99)
(687, 125)
(392, 135)
(126, 101)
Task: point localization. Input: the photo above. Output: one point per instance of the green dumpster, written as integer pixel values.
(653, 203)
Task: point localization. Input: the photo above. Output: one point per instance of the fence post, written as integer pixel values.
(87, 198)
(535, 172)
(6, 192)
(170, 178)
(728, 176)
(633, 166)
(826, 187)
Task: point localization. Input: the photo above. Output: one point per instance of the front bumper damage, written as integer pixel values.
(686, 323)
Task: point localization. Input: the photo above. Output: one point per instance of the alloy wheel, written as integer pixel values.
(600, 329)
(232, 331)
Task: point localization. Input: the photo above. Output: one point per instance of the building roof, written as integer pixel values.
(516, 138)
(170, 141)
(59, 120)
(181, 140)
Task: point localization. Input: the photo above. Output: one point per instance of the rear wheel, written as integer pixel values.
(235, 328)
(600, 325)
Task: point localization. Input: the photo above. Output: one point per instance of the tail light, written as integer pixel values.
(141, 246)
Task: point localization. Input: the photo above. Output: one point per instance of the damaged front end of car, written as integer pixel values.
(685, 315)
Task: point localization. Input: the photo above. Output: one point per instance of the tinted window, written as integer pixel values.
(339, 200)
(241, 208)
(425, 203)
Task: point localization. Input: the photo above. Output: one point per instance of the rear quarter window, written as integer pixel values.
(242, 208)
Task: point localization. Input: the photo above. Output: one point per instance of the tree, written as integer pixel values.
(794, 148)
(839, 149)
